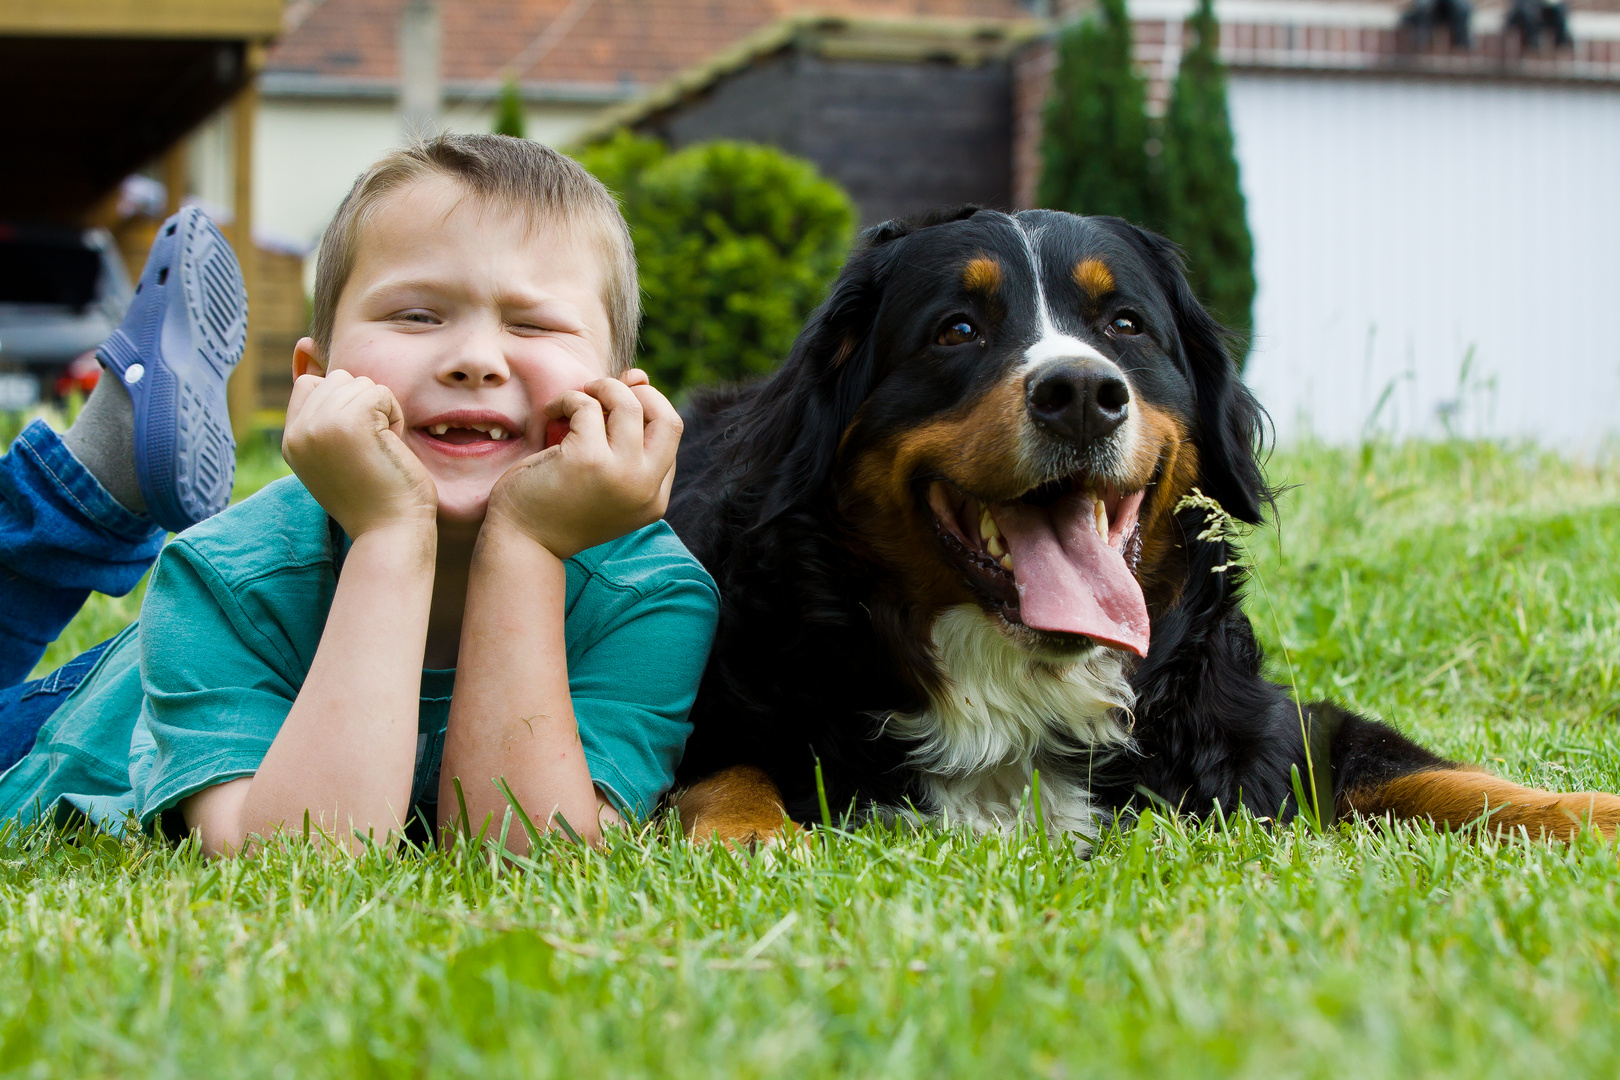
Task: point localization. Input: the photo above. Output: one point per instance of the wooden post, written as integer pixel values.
(244, 384)
(176, 176)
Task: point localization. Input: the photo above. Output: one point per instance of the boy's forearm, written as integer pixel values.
(347, 751)
(511, 716)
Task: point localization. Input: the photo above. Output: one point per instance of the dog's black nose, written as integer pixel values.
(1078, 400)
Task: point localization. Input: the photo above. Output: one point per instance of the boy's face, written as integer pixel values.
(475, 319)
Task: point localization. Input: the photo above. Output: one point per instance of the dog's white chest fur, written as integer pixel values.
(1002, 713)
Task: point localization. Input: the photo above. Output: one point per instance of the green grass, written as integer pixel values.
(1466, 592)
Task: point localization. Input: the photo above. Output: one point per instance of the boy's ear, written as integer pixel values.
(307, 359)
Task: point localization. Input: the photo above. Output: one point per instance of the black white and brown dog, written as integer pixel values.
(947, 538)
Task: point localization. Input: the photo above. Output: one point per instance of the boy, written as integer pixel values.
(475, 491)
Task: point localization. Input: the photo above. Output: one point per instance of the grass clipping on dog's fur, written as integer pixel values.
(1221, 527)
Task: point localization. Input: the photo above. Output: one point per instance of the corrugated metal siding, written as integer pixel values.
(1399, 224)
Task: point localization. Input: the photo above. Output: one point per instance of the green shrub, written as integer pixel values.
(1094, 157)
(736, 244)
(509, 111)
(1204, 206)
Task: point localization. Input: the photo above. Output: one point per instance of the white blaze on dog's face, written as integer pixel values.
(1027, 438)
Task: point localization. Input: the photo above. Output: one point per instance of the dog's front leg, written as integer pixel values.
(739, 806)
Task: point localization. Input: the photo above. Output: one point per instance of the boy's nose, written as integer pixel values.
(476, 364)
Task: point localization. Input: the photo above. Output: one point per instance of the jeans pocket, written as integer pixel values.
(65, 679)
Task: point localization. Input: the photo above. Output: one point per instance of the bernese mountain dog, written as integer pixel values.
(954, 547)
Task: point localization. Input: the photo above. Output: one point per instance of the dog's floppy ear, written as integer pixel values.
(783, 450)
(1230, 420)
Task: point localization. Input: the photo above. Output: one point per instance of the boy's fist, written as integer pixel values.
(609, 475)
(345, 440)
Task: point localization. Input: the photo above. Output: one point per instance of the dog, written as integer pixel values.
(963, 535)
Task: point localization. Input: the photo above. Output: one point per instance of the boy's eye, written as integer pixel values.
(417, 316)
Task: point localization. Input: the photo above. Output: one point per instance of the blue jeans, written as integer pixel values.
(62, 537)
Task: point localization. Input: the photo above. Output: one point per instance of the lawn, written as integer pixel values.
(1466, 592)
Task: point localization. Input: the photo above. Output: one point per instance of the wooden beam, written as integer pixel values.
(176, 176)
(244, 384)
(256, 19)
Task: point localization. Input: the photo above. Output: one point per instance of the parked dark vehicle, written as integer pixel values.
(62, 291)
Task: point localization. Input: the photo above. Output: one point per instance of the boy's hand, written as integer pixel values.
(609, 475)
(345, 440)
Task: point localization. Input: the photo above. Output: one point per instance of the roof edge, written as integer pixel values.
(904, 39)
(312, 86)
(250, 20)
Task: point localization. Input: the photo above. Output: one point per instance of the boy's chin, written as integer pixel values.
(462, 507)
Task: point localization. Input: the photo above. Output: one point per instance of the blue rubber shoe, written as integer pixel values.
(183, 334)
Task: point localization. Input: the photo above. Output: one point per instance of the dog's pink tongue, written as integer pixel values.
(1069, 579)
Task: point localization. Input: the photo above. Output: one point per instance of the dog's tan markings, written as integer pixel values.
(1164, 446)
(979, 448)
(1093, 275)
(738, 806)
(1458, 797)
(982, 275)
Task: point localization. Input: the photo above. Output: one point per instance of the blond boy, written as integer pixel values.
(466, 580)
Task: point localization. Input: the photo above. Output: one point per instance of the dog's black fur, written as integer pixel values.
(818, 644)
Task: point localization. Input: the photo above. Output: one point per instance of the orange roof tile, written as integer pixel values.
(612, 41)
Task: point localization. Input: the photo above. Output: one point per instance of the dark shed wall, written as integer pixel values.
(900, 137)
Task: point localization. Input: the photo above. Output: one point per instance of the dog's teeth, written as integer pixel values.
(497, 432)
(987, 525)
(439, 429)
(992, 544)
(1006, 562)
(1102, 520)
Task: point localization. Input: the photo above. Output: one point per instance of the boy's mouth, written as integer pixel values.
(463, 433)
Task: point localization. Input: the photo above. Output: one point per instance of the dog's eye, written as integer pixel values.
(1125, 325)
(958, 333)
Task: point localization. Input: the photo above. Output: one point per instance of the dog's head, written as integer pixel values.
(1006, 410)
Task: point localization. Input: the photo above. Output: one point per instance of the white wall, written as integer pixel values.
(307, 152)
(1400, 223)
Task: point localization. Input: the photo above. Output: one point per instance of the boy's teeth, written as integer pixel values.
(438, 429)
(497, 433)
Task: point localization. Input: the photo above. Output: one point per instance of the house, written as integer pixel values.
(1435, 218)
(99, 88)
(330, 87)
(907, 114)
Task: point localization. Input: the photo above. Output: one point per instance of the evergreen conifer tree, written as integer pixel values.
(1204, 206)
(1094, 157)
(509, 111)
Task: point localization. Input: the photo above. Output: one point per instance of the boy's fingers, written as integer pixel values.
(634, 377)
(583, 413)
(383, 400)
(624, 420)
(663, 424)
(303, 387)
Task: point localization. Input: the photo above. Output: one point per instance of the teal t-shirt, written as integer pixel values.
(193, 694)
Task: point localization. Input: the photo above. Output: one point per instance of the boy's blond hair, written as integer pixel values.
(522, 176)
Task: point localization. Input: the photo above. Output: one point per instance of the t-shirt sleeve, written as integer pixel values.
(217, 689)
(634, 684)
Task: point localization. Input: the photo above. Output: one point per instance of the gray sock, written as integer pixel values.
(103, 439)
